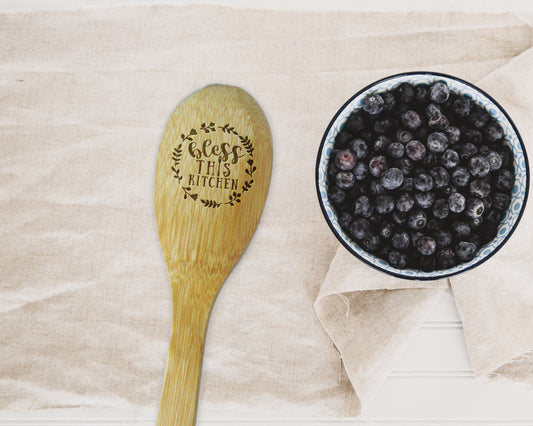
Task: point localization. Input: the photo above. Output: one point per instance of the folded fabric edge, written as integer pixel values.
(385, 341)
(517, 370)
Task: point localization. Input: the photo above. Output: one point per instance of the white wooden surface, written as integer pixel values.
(432, 385)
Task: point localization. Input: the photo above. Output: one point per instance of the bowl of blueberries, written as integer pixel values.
(422, 175)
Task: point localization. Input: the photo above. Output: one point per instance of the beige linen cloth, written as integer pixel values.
(85, 305)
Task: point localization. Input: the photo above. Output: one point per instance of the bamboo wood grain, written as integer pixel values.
(211, 182)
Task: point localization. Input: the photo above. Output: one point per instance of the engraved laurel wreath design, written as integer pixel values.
(188, 192)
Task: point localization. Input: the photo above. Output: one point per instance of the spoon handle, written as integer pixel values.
(191, 310)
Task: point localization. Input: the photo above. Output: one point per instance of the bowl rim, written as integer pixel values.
(342, 240)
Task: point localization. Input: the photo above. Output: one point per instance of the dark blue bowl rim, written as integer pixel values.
(437, 74)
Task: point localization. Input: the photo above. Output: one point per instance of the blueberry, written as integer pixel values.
(479, 166)
(427, 263)
(359, 148)
(405, 92)
(403, 136)
(462, 106)
(479, 188)
(449, 159)
(453, 133)
(399, 218)
(401, 108)
(440, 208)
(487, 202)
(358, 189)
(397, 259)
(434, 225)
(404, 202)
(342, 139)
(495, 160)
(376, 187)
(345, 219)
(373, 103)
(439, 92)
(443, 238)
(405, 165)
(332, 170)
(377, 165)
(504, 180)
(392, 178)
(371, 242)
(336, 196)
(460, 228)
(473, 136)
(396, 149)
(493, 132)
(483, 150)
(456, 202)
(446, 258)
(478, 118)
(384, 203)
(389, 100)
(367, 135)
(375, 221)
(426, 246)
(440, 176)
(359, 228)
(417, 219)
(446, 191)
(500, 201)
(400, 240)
(354, 123)
(384, 250)
(415, 150)
(437, 142)
(492, 219)
(411, 119)
(345, 180)
(424, 200)
(465, 251)
(408, 184)
(460, 176)
(431, 159)
(422, 94)
(507, 156)
(345, 159)
(438, 122)
(423, 182)
(381, 143)
(476, 222)
(474, 207)
(415, 236)
(432, 109)
(476, 239)
(363, 206)
(387, 229)
(467, 151)
(421, 133)
(382, 125)
(360, 171)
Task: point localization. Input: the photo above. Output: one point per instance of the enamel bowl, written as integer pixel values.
(512, 139)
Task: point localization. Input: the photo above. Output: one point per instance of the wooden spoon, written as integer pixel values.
(211, 182)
